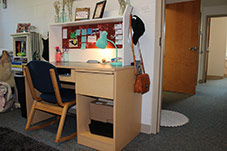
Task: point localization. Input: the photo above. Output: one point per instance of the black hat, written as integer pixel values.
(138, 28)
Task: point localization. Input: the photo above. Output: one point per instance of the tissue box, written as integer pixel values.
(101, 111)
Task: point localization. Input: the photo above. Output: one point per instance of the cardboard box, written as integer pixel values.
(101, 111)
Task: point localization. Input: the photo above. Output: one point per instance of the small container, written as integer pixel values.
(58, 57)
(66, 56)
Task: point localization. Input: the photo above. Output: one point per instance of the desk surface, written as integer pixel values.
(89, 66)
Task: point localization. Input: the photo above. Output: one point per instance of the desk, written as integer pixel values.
(103, 81)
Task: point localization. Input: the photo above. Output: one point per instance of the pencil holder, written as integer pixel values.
(66, 56)
(58, 57)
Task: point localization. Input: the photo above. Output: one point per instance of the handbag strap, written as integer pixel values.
(141, 58)
(133, 50)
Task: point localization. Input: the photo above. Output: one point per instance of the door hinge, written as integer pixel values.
(160, 41)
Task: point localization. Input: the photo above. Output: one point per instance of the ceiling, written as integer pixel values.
(205, 3)
(213, 2)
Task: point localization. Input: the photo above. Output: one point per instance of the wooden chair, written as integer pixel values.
(43, 77)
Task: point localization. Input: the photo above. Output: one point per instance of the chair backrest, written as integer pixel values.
(40, 75)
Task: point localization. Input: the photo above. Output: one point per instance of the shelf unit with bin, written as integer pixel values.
(22, 46)
(79, 55)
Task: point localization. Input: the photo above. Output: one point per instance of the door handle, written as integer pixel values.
(193, 48)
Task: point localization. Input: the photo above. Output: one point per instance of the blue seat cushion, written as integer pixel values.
(66, 96)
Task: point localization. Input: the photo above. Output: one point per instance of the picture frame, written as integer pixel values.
(82, 14)
(23, 27)
(99, 9)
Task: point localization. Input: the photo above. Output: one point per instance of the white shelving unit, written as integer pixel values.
(55, 39)
(24, 38)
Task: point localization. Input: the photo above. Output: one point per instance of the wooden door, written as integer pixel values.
(181, 43)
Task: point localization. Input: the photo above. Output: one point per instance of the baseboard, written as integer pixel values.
(200, 81)
(211, 77)
(145, 129)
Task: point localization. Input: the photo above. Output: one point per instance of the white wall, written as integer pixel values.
(40, 13)
(226, 43)
(217, 46)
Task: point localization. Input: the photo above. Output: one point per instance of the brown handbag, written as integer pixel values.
(142, 83)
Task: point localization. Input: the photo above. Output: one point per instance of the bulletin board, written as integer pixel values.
(85, 36)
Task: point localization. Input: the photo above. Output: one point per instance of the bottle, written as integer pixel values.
(58, 57)
(66, 56)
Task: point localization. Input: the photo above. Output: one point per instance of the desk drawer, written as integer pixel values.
(95, 84)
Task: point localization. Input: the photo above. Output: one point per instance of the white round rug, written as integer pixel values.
(172, 118)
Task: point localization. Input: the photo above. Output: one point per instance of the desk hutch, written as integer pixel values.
(125, 52)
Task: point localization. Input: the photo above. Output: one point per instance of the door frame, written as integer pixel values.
(158, 67)
(156, 116)
(206, 45)
(157, 94)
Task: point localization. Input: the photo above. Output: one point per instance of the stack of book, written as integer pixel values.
(16, 66)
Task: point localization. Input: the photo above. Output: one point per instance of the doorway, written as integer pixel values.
(216, 48)
(181, 50)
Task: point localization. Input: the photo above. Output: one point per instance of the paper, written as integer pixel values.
(82, 15)
(91, 38)
(118, 42)
(83, 39)
(109, 103)
(64, 35)
(83, 46)
(117, 26)
(119, 37)
(118, 32)
(89, 31)
(78, 32)
(84, 32)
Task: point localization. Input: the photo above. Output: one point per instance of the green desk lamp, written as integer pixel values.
(102, 43)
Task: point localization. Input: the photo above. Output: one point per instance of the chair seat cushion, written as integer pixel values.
(66, 96)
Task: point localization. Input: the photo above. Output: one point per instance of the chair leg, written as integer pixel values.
(60, 128)
(61, 124)
(44, 124)
(30, 117)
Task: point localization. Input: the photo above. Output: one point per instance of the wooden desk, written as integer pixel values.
(104, 81)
